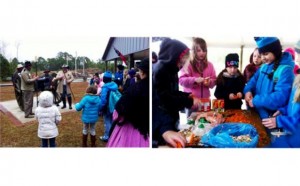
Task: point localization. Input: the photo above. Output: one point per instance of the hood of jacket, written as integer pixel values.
(46, 99)
(287, 59)
(110, 85)
(169, 53)
(92, 99)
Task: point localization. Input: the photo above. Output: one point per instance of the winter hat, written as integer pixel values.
(232, 60)
(131, 72)
(297, 47)
(291, 51)
(107, 77)
(65, 66)
(120, 67)
(144, 65)
(27, 63)
(107, 74)
(19, 66)
(269, 44)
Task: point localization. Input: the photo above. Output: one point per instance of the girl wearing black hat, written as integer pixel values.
(231, 83)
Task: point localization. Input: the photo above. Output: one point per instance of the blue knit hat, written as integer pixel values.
(132, 72)
(269, 44)
(107, 74)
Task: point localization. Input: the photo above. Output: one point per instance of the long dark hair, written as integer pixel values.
(276, 64)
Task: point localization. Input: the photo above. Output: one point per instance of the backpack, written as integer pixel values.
(277, 73)
(113, 98)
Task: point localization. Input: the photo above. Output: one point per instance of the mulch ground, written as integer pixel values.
(70, 128)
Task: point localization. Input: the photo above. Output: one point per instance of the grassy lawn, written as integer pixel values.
(70, 128)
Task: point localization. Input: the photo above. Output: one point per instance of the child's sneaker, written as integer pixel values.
(104, 138)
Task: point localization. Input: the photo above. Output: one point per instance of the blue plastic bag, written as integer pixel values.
(221, 136)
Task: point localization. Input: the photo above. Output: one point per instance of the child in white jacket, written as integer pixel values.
(48, 117)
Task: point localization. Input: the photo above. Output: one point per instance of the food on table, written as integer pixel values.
(251, 117)
(190, 136)
(242, 138)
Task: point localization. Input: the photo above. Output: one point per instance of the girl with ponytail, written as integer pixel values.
(270, 87)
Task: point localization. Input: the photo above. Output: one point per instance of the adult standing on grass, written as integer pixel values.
(27, 87)
(16, 80)
(65, 78)
(48, 117)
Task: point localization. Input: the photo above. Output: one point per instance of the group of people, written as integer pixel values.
(26, 84)
(127, 124)
(48, 115)
(270, 84)
(266, 85)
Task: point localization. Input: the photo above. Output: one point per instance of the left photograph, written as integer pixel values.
(74, 93)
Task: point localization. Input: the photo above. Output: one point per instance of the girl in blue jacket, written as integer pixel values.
(90, 106)
(270, 87)
(288, 119)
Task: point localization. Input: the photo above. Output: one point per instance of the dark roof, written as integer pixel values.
(126, 45)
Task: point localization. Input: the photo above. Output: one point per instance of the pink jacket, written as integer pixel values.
(187, 80)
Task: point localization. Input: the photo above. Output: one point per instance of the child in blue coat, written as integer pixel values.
(270, 87)
(90, 106)
(288, 119)
(108, 86)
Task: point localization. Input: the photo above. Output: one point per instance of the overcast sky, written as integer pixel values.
(48, 47)
(44, 28)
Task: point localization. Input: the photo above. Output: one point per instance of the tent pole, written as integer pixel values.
(241, 58)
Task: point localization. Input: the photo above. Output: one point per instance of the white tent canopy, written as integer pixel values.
(220, 45)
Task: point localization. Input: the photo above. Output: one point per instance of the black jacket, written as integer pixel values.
(167, 100)
(230, 84)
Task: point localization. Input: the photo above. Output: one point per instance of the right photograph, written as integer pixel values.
(225, 92)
